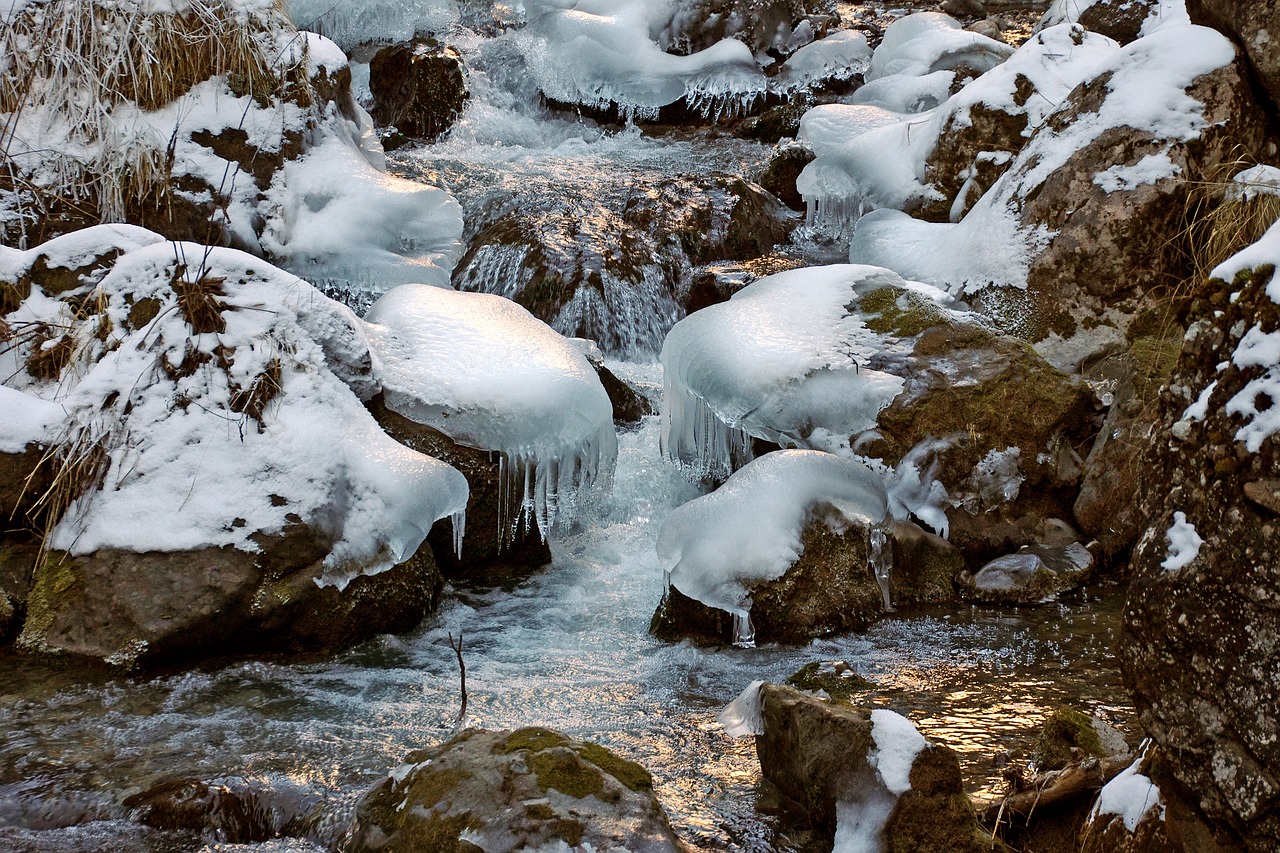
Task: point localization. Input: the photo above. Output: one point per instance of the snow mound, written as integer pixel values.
(839, 56)
(603, 53)
(715, 548)
(926, 42)
(783, 360)
(488, 374)
(199, 394)
(1130, 795)
(26, 419)
(1163, 13)
(898, 742)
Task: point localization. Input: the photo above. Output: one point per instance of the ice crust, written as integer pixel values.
(840, 56)
(187, 467)
(783, 360)
(487, 373)
(717, 547)
(1146, 81)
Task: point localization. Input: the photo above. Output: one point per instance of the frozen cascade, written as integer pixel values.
(715, 548)
(488, 374)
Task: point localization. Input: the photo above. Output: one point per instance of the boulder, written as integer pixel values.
(234, 810)
(630, 406)
(717, 282)
(489, 555)
(139, 609)
(1200, 639)
(1252, 26)
(1035, 574)
(532, 788)
(1121, 20)
(1001, 442)
(779, 177)
(1070, 736)
(614, 267)
(763, 25)
(963, 8)
(869, 770)
(418, 87)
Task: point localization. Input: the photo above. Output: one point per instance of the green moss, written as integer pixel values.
(563, 770)
(1066, 730)
(539, 811)
(430, 786)
(839, 681)
(53, 583)
(893, 311)
(533, 738)
(1154, 359)
(629, 773)
(567, 830)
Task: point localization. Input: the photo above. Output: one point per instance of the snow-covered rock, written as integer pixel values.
(1036, 573)
(1122, 20)
(926, 42)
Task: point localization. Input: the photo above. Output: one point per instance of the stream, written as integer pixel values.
(567, 647)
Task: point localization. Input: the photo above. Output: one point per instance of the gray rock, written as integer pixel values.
(418, 87)
(1035, 574)
(1254, 26)
(762, 25)
(506, 791)
(987, 27)
(963, 8)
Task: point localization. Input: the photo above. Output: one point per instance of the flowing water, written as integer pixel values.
(568, 647)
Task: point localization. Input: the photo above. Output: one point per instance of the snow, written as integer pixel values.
(26, 419)
(1254, 182)
(839, 56)
(902, 94)
(783, 360)
(1151, 169)
(487, 373)
(603, 53)
(926, 42)
(1130, 795)
(860, 823)
(1184, 543)
(742, 717)
(1199, 410)
(717, 547)
(1147, 85)
(898, 742)
(1164, 13)
(189, 466)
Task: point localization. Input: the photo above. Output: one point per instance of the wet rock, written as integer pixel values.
(829, 590)
(963, 8)
(779, 177)
(613, 267)
(630, 407)
(1001, 442)
(1035, 574)
(825, 758)
(1200, 640)
(1253, 26)
(763, 25)
(835, 678)
(22, 481)
(1130, 814)
(418, 87)
(133, 609)
(778, 122)
(489, 554)
(1071, 736)
(235, 810)
(1121, 20)
(502, 791)
(715, 283)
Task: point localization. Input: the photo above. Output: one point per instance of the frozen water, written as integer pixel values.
(747, 532)
(898, 742)
(353, 22)
(783, 361)
(926, 42)
(839, 56)
(488, 374)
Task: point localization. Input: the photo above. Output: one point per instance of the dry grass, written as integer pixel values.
(199, 303)
(264, 388)
(50, 356)
(1221, 222)
(78, 464)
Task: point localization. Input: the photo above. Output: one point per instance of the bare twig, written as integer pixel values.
(462, 679)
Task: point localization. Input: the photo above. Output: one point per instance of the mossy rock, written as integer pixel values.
(1068, 735)
(835, 678)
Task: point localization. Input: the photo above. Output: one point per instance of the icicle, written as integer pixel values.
(880, 559)
(459, 520)
(744, 633)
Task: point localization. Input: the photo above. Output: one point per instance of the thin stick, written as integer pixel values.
(462, 678)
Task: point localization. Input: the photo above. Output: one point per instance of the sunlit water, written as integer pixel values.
(567, 648)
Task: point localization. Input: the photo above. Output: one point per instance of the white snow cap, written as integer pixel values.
(487, 373)
(926, 42)
(842, 54)
(717, 547)
(1130, 795)
(898, 742)
(25, 419)
(741, 717)
(1184, 543)
(189, 465)
(783, 360)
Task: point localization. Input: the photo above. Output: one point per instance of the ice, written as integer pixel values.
(1184, 543)
(839, 56)
(603, 53)
(487, 373)
(189, 459)
(717, 547)
(353, 22)
(905, 94)
(1130, 795)
(862, 815)
(783, 360)
(898, 742)
(860, 822)
(741, 717)
(870, 157)
(335, 218)
(926, 42)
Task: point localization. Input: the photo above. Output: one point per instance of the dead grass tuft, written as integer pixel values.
(199, 303)
(264, 388)
(50, 356)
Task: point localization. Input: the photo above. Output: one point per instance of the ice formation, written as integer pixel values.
(488, 374)
(925, 42)
(201, 380)
(898, 742)
(870, 157)
(1147, 84)
(353, 22)
(1130, 795)
(604, 53)
(840, 56)
(741, 717)
(1161, 13)
(715, 548)
(783, 360)
(1184, 543)
(861, 817)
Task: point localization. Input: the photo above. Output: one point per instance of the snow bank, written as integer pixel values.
(926, 42)
(487, 373)
(604, 53)
(1146, 82)
(715, 548)
(202, 382)
(1163, 13)
(783, 360)
(26, 419)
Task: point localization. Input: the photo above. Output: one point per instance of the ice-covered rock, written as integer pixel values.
(839, 57)
(531, 789)
(865, 778)
(1122, 20)
(784, 360)
(1202, 623)
(489, 375)
(723, 549)
(1129, 815)
(209, 414)
(926, 42)
(351, 23)
(1036, 573)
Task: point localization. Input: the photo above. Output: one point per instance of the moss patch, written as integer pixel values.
(627, 772)
(563, 770)
(533, 738)
(893, 311)
(54, 580)
(1066, 730)
(836, 678)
